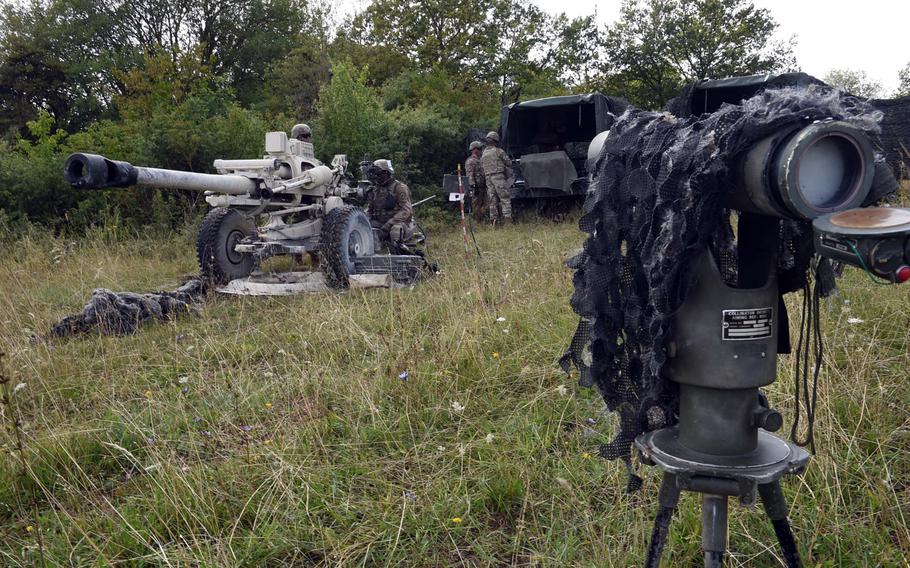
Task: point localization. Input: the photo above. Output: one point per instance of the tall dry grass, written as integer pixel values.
(391, 427)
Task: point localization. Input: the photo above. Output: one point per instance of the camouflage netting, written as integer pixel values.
(122, 313)
(657, 203)
(895, 136)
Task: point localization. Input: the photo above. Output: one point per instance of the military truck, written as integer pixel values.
(547, 140)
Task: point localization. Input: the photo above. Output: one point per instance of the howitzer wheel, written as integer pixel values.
(346, 234)
(221, 230)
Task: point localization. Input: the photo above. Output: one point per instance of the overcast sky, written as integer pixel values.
(869, 35)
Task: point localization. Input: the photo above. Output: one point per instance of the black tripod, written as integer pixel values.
(714, 518)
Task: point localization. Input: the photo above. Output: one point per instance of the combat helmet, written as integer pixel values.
(384, 165)
(476, 145)
(492, 136)
(380, 172)
(301, 131)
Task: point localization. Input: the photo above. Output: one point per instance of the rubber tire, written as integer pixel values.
(336, 254)
(221, 229)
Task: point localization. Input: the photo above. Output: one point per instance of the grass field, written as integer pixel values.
(280, 432)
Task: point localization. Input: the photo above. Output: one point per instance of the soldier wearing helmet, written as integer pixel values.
(477, 184)
(390, 207)
(303, 134)
(497, 169)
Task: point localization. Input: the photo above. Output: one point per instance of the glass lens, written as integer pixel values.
(828, 171)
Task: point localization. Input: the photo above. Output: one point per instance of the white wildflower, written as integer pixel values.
(500, 319)
(441, 448)
(489, 438)
(183, 380)
(457, 406)
(19, 387)
(562, 390)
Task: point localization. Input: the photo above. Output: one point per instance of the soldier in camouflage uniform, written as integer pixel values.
(477, 183)
(390, 208)
(497, 169)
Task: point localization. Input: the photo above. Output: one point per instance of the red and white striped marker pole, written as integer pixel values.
(464, 228)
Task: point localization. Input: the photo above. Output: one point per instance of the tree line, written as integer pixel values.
(178, 83)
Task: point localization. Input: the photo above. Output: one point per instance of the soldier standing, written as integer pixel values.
(477, 183)
(304, 134)
(390, 207)
(497, 168)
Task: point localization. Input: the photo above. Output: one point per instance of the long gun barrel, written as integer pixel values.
(91, 171)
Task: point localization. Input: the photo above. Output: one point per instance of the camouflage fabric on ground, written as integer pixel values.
(122, 313)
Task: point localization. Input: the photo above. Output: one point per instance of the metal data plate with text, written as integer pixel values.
(743, 325)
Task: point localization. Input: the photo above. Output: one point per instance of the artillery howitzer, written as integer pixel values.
(306, 204)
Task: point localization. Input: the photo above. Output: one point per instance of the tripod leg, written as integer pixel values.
(668, 499)
(772, 498)
(714, 528)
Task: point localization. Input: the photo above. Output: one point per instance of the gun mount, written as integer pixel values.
(308, 208)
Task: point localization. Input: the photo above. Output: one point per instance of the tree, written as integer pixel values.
(903, 77)
(638, 53)
(575, 54)
(425, 144)
(431, 33)
(856, 83)
(507, 45)
(721, 38)
(292, 82)
(68, 57)
(349, 116)
(55, 57)
(657, 46)
(238, 39)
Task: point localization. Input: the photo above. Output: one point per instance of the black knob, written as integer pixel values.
(769, 419)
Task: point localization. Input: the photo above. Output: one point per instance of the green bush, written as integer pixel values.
(426, 144)
(349, 116)
(176, 115)
(31, 180)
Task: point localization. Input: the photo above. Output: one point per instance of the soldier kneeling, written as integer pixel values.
(390, 209)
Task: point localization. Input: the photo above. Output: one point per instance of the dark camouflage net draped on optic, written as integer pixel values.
(895, 137)
(657, 202)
